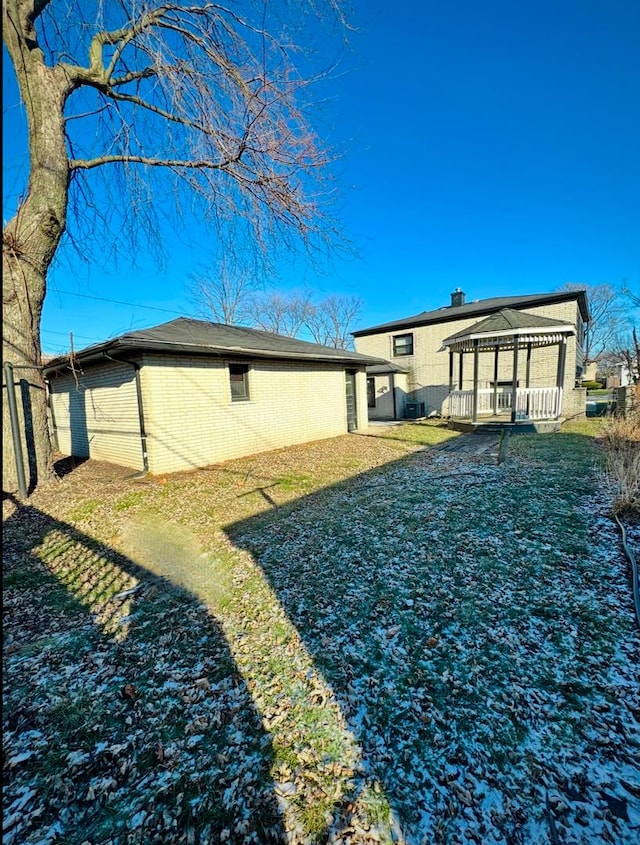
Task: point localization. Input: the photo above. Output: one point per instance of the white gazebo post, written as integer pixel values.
(514, 388)
(451, 354)
(476, 355)
(562, 357)
(528, 375)
(495, 380)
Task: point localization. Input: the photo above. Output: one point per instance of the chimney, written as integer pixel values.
(457, 298)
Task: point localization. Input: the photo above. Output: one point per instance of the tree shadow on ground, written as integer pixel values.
(432, 656)
(65, 466)
(125, 716)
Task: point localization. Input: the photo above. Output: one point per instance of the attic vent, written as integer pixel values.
(457, 298)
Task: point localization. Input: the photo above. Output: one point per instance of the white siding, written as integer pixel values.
(96, 415)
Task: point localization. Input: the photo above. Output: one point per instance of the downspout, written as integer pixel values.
(143, 432)
(54, 424)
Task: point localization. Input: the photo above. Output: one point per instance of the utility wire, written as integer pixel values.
(66, 334)
(118, 302)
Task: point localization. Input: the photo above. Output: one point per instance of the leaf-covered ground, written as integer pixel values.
(358, 640)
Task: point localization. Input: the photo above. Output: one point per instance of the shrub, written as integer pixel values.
(592, 385)
(621, 437)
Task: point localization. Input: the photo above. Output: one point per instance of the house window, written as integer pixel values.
(239, 381)
(508, 385)
(403, 344)
(371, 393)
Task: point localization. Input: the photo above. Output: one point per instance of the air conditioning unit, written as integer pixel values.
(414, 410)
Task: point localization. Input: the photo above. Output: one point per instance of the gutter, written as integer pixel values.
(115, 347)
(143, 431)
(464, 312)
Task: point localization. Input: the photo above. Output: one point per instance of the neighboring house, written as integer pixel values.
(590, 371)
(459, 360)
(189, 393)
(612, 374)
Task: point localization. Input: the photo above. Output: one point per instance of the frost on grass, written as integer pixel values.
(439, 649)
(479, 642)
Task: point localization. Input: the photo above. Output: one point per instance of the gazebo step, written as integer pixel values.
(520, 427)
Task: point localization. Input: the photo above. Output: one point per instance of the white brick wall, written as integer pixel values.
(384, 385)
(428, 380)
(192, 421)
(97, 416)
(190, 418)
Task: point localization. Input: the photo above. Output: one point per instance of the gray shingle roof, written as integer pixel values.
(507, 321)
(479, 308)
(186, 336)
(383, 369)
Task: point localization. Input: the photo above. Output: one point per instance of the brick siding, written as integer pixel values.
(428, 380)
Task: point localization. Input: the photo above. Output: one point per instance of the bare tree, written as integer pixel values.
(240, 300)
(607, 310)
(206, 97)
(631, 356)
(332, 320)
(633, 296)
(284, 314)
(226, 295)
(625, 350)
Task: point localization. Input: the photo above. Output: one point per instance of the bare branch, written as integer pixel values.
(332, 319)
(88, 164)
(133, 76)
(284, 314)
(608, 317)
(212, 100)
(225, 293)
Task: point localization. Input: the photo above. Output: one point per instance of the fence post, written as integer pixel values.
(15, 428)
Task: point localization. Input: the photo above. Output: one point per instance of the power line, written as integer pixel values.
(119, 302)
(66, 334)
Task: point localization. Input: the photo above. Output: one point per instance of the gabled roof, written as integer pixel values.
(185, 336)
(480, 308)
(508, 322)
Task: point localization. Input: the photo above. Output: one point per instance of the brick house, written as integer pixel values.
(189, 393)
(459, 360)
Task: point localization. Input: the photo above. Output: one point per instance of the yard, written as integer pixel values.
(387, 638)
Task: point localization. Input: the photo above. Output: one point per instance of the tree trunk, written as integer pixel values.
(30, 240)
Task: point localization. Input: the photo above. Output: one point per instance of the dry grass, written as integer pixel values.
(621, 437)
(355, 640)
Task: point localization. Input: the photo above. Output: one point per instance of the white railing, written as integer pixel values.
(533, 403)
(538, 403)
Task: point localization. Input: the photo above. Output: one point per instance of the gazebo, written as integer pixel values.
(496, 394)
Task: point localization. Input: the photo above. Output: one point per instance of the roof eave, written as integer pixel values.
(436, 318)
(115, 348)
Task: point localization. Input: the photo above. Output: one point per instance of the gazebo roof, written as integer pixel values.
(502, 328)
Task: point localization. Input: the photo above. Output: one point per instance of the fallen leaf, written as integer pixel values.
(130, 692)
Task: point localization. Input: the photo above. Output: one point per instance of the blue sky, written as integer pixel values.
(491, 146)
